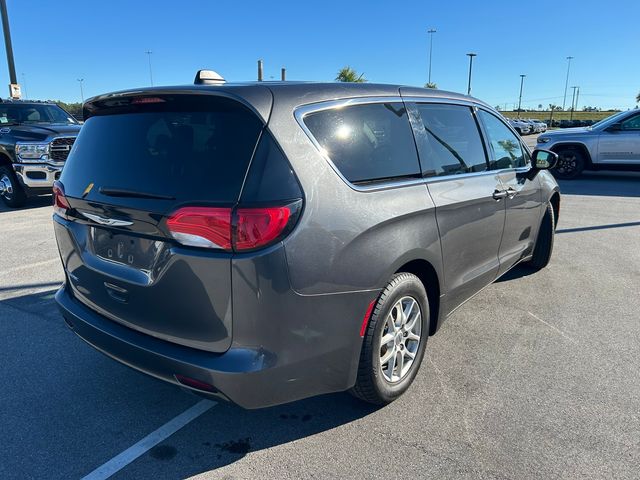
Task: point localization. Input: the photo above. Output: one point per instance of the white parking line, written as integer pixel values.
(123, 459)
(555, 328)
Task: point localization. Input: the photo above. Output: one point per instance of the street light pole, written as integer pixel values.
(566, 82)
(573, 102)
(149, 52)
(431, 31)
(80, 80)
(9, 48)
(470, 55)
(520, 99)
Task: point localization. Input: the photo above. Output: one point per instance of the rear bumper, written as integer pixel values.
(248, 377)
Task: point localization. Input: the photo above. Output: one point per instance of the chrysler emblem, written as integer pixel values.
(112, 222)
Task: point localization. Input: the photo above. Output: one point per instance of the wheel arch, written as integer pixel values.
(4, 158)
(554, 200)
(428, 275)
(574, 145)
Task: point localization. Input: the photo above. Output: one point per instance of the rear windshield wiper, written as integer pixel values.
(121, 192)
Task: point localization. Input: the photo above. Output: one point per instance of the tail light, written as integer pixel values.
(60, 202)
(232, 229)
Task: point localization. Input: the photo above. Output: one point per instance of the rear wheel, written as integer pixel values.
(571, 163)
(394, 342)
(12, 194)
(544, 243)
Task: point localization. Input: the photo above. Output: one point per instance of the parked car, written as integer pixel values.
(537, 126)
(523, 128)
(612, 143)
(35, 140)
(268, 242)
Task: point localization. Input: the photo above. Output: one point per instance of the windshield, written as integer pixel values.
(609, 119)
(15, 113)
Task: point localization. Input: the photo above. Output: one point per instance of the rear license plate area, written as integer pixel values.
(125, 249)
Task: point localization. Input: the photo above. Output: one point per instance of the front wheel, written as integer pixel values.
(571, 163)
(394, 341)
(12, 192)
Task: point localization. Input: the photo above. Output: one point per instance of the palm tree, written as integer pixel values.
(638, 98)
(430, 85)
(348, 74)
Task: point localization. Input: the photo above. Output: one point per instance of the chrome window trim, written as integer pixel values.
(304, 110)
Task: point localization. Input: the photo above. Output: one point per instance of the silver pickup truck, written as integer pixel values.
(610, 144)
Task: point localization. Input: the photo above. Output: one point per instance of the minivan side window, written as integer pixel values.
(450, 143)
(505, 148)
(368, 142)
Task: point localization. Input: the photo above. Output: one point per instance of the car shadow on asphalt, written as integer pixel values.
(32, 202)
(614, 184)
(100, 388)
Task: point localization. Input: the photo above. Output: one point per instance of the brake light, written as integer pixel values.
(239, 230)
(60, 202)
(202, 227)
(259, 226)
(146, 100)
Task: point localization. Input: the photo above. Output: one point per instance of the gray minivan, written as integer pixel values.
(266, 242)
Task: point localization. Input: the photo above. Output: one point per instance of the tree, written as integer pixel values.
(638, 98)
(348, 74)
(431, 85)
(498, 108)
(74, 109)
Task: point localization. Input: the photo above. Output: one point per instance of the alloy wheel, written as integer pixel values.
(400, 339)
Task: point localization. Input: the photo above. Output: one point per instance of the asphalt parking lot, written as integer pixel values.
(537, 377)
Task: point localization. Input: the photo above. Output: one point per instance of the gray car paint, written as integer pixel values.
(297, 306)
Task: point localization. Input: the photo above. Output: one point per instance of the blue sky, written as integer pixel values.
(57, 42)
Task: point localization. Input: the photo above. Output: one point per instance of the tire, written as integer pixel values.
(571, 163)
(14, 196)
(544, 243)
(376, 380)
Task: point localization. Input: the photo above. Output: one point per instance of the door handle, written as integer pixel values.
(500, 194)
(511, 192)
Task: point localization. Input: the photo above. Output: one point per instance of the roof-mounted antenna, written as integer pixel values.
(208, 77)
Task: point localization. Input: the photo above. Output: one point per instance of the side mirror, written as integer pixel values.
(544, 159)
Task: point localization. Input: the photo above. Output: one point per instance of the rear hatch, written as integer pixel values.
(137, 160)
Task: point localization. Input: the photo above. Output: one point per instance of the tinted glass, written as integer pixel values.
(367, 142)
(14, 113)
(195, 150)
(632, 124)
(270, 175)
(451, 142)
(505, 148)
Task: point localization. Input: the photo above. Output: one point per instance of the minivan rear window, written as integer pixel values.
(194, 149)
(367, 143)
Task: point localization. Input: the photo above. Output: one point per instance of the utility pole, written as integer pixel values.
(260, 70)
(81, 80)
(431, 31)
(573, 101)
(14, 88)
(470, 55)
(577, 95)
(566, 82)
(520, 99)
(283, 74)
(149, 52)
